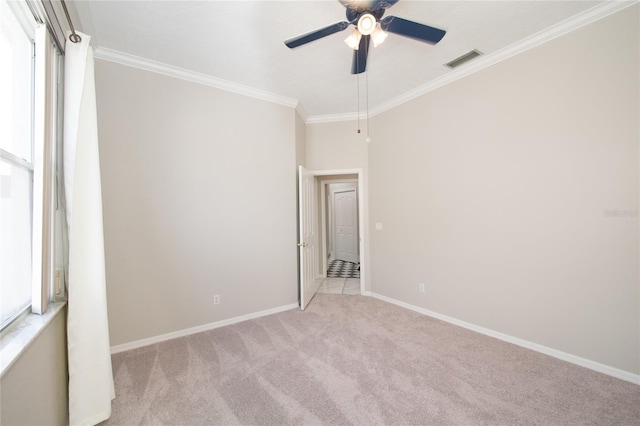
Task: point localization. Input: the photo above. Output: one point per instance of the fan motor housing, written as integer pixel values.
(354, 15)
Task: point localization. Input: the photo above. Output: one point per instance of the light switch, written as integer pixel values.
(378, 226)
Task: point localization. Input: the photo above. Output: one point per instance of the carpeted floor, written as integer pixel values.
(357, 360)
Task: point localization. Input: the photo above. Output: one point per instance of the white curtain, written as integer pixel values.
(90, 375)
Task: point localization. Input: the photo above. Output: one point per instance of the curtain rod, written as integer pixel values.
(44, 12)
(74, 37)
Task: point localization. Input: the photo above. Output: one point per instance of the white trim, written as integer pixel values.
(323, 227)
(587, 17)
(44, 115)
(591, 15)
(332, 118)
(192, 76)
(337, 172)
(302, 112)
(199, 329)
(573, 359)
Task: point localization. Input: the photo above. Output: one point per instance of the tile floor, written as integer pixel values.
(340, 286)
(342, 269)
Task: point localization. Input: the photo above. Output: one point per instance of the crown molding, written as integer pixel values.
(331, 118)
(192, 76)
(591, 15)
(302, 112)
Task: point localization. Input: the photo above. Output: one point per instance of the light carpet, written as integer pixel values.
(357, 360)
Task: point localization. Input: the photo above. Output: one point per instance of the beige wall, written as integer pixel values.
(199, 189)
(335, 145)
(34, 389)
(493, 191)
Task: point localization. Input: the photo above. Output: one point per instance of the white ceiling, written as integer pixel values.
(242, 42)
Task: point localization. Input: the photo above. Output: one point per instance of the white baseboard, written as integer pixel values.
(592, 365)
(583, 362)
(193, 330)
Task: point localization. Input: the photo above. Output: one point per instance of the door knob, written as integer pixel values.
(302, 244)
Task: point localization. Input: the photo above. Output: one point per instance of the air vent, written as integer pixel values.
(464, 58)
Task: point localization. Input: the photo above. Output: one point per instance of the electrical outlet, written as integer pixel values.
(216, 299)
(421, 287)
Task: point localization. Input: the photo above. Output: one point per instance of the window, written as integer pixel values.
(16, 167)
(28, 125)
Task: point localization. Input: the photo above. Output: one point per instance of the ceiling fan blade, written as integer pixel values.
(411, 29)
(315, 35)
(359, 63)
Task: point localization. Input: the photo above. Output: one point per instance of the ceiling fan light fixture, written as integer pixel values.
(378, 36)
(353, 41)
(364, 15)
(367, 24)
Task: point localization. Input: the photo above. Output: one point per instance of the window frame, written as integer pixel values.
(44, 155)
(46, 131)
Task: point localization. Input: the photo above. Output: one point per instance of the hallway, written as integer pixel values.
(340, 286)
(343, 269)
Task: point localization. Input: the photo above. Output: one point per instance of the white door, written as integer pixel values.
(345, 214)
(307, 245)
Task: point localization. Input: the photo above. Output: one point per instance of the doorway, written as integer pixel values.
(342, 240)
(339, 234)
(342, 252)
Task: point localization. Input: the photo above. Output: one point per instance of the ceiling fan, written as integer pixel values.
(366, 16)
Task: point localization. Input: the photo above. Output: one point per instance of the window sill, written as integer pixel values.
(16, 341)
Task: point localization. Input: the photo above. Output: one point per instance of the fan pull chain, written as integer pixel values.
(366, 82)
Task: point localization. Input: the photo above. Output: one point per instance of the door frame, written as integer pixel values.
(361, 200)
